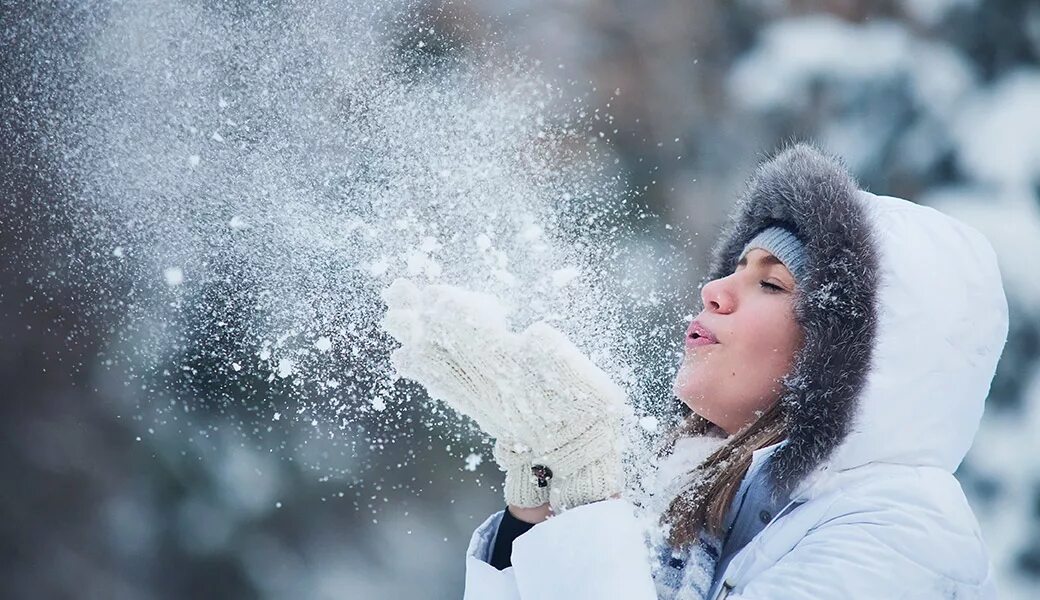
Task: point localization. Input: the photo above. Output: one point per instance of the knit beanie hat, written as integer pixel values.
(782, 243)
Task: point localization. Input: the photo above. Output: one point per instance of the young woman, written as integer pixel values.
(840, 363)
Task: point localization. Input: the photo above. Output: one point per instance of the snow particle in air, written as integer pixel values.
(174, 276)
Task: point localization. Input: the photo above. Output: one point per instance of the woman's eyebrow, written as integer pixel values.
(768, 259)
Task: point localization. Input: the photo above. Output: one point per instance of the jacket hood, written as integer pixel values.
(904, 316)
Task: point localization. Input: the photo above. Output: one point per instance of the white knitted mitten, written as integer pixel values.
(555, 415)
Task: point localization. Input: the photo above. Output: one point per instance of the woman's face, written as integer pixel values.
(732, 382)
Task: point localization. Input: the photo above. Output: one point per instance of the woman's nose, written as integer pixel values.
(716, 296)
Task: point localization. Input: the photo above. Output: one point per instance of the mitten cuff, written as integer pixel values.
(598, 480)
(521, 486)
(521, 489)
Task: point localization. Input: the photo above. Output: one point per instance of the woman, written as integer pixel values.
(841, 361)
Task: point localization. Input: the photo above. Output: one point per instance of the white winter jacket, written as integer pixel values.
(883, 515)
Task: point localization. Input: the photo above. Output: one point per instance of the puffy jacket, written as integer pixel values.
(905, 320)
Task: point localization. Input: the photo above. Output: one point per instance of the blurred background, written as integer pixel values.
(937, 101)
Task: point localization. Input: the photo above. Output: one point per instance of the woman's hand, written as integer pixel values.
(554, 414)
(454, 342)
(534, 514)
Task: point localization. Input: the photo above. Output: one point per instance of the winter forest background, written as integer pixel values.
(199, 203)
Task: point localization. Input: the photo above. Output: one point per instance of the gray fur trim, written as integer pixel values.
(836, 304)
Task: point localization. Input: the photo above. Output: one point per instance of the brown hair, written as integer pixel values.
(715, 481)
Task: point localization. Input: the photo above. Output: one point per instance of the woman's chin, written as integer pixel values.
(685, 386)
(679, 391)
(683, 393)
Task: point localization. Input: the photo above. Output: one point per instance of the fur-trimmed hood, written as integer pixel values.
(904, 317)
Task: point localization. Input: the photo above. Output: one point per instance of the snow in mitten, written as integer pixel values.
(552, 411)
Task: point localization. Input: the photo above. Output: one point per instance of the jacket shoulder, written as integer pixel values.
(885, 531)
(918, 513)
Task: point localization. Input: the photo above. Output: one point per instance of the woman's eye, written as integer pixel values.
(768, 285)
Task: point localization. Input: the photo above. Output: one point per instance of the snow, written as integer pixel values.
(429, 244)
(379, 267)
(1010, 221)
(563, 277)
(649, 423)
(531, 232)
(473, 461)
(793, 52)
(674, 472)
(420, 263)
(998, 134)
(931, 12)
(173, 276)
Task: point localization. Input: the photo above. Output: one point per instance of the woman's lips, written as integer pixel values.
(692, 342)
(699, 335)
